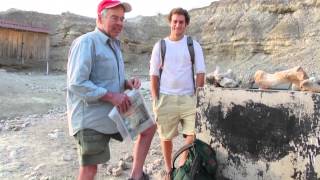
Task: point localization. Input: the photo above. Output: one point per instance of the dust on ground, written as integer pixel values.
(34, 139)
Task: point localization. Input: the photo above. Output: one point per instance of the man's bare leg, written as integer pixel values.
(189, 139)
(140, 151)
(166, 146)
(87, 172)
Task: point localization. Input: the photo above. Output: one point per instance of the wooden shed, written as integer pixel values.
(22, 44)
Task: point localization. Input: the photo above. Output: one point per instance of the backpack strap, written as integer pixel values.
(163, 55)
(192, 56)
(191, 48)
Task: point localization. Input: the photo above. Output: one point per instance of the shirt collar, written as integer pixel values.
(105, 38)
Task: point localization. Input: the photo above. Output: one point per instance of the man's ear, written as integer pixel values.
(99, 20)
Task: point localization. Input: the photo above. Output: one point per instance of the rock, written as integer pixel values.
(40, 166)
(45, 178)
(26, 124)
(148, 168)
(109, 169)
(158, 162)
(67, 157)
(312, 84)
(155, 152)
(128, 158)
(13, 154)
(56, 134)
(117, 171)
(122, 164)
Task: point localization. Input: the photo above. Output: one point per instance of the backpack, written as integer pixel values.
(163, 54)
(201, 163)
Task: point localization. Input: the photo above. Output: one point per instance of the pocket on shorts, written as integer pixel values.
(154, 103)
(92, 142)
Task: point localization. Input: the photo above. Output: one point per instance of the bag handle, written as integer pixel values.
(181, 150)
(195, 163)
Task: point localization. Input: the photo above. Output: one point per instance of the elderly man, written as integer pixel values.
(95, 84)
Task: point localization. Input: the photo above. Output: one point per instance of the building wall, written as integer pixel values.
(23, 47)
(269, 135)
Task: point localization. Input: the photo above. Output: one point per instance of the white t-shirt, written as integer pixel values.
(176, 77)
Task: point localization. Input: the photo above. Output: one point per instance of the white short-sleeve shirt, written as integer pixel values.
(176, 77)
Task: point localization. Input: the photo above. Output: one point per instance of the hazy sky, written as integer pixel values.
(88, 7)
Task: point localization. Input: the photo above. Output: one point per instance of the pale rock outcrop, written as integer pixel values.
(312, 84)
(266, 80)
(222, 79)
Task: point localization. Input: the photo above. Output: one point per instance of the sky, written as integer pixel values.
(88, 7)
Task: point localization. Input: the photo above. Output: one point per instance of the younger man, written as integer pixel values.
(173, 91)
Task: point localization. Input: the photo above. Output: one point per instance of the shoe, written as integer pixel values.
(143, 177)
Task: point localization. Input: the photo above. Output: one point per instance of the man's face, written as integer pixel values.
(178, 24)
(112, 22)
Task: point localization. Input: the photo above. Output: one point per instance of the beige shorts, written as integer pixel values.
(170, 110)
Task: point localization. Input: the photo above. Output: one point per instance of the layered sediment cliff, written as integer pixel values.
(243, 35)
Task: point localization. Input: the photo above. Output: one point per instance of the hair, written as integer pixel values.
(179, 11)
(104, 12)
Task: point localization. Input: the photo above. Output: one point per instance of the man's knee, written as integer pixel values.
(87, 171)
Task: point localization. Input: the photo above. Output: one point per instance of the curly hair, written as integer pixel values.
(179, 11)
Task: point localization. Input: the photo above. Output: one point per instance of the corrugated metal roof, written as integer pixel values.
(19, 26)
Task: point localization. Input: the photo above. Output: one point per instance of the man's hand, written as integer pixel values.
(134, 83)
(120, 100)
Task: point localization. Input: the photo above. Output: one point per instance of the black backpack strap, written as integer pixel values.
(162, 56)
(192, 56)
(191, 48)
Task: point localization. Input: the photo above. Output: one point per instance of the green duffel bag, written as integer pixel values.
(201, 163)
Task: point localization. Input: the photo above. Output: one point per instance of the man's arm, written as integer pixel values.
(154, 83)
(80, 60)
(200, 80)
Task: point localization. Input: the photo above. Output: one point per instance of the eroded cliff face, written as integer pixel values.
(270, 35)
(243, 35)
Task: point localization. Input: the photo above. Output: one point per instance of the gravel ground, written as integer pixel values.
(34, 140)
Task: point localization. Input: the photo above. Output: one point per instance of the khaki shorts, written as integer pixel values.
(93, 146)
(170, 110)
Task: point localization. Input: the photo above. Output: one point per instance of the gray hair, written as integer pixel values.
(104, 12)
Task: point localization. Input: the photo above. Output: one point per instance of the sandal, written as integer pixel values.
(144, 176)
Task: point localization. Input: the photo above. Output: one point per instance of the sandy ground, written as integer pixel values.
(34, 140)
